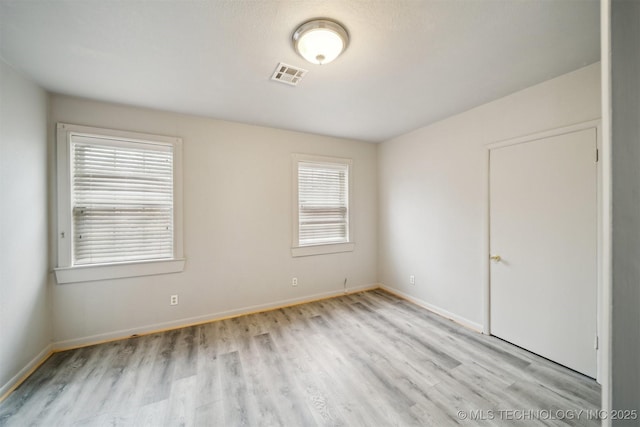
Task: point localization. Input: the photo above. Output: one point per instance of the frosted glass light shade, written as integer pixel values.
(320, 41)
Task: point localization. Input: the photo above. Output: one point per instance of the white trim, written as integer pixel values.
(595, 123)
(600, 251)
(322, 249)
(477, 327)
(63, 199)
(190, 321)
(312, 158)
(486, 268)
(65, 271)
(18, 378)
(602, 200)
(88, 273)
(296, 249)
(605, 368)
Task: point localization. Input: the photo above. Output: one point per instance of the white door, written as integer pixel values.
(543, 227)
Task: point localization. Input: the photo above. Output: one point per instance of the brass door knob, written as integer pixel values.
(495, 258)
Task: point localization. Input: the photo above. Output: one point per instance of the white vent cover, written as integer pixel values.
(288, 74)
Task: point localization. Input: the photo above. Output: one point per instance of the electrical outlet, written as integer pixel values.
(294, 281)
(412, 280)
(173, 300)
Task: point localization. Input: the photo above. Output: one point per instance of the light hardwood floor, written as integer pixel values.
(367, 359)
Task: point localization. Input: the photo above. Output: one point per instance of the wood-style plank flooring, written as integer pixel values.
(367, 359)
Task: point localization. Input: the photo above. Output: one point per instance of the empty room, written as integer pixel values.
(300, 213)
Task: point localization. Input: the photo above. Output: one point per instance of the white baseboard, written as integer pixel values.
(190, 321)
(24, 373)
(437, 310)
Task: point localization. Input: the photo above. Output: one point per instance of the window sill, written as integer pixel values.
(322, 249)
(89, 273)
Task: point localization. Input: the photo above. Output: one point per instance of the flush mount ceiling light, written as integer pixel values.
(320, 41)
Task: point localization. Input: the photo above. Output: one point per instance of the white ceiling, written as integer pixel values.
(409, 62)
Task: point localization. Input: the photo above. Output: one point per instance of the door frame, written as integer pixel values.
(603, 233)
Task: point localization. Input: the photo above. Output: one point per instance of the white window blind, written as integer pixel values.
(122, 200)
(323, 203)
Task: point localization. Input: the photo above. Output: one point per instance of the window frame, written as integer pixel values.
(322, 248)
(65, 271)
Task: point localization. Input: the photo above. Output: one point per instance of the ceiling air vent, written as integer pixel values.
(288, 74)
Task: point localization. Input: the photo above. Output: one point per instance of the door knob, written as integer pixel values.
(495, 258)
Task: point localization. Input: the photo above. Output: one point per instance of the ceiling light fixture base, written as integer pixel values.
(320, 40)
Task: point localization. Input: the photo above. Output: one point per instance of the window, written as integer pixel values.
(119, 211)
(322, 205)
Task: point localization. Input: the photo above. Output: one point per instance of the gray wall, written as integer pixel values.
(25, 333)
(432, 200)
(237, 227)
(625, 64)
